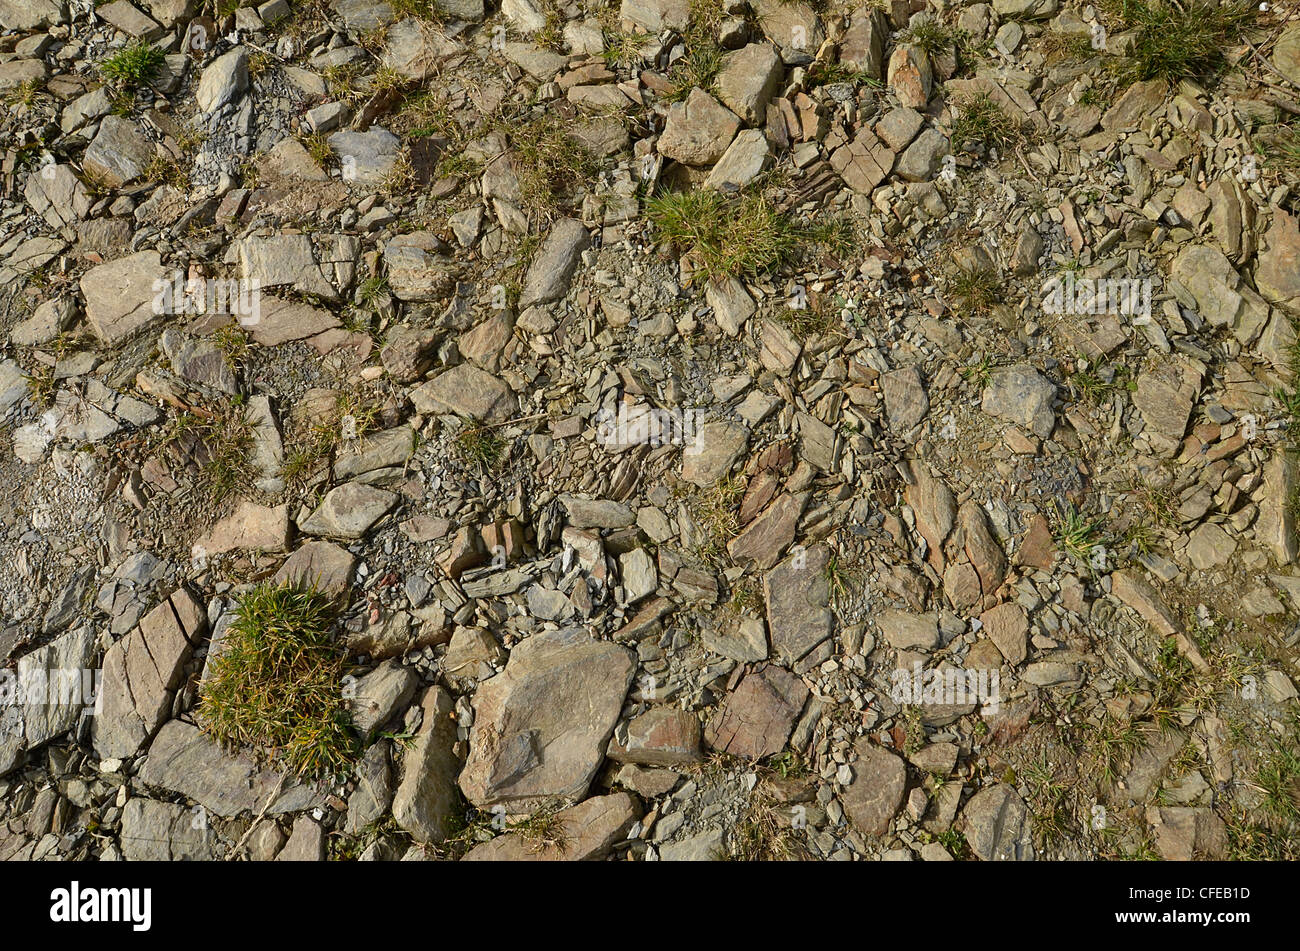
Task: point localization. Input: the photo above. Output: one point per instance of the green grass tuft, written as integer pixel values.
(276, 685)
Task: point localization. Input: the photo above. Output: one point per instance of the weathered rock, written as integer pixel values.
(586, 832)
(466, 390)
(1022, 395)
(542, 725)
(552, 268)
(119, 152)
(142, 672)
(874, 797)
(426, 801)
(797, 593)
(224, 80)
(662, 736)
(121, 296)
(998, 826)
(698, 130)
(748, 80)
(349, 511)
(756, 718)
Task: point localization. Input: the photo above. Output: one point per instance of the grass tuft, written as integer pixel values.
(1178, 41)
(276, 684)
(132, 66)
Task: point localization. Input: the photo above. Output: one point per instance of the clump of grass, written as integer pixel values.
(544, 829)
(1177, 41)
(979, 372)
(930, 36)
(977, 288)
(623, 49)
(1090, 384)
(168, 172)
(318, 147)
(219, 441)
(823, 73)
(1110, 746)
(479, 447)
(733, 235)
(349, 419)
(698, 67)
(551, 165)
(276, 684)
(420, 9)
(132, 66)
(1075, 534)
(24, 94)
(981, 124)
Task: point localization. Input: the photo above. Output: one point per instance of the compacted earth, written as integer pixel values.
(649, 430)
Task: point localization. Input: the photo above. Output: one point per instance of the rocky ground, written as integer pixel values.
(673, 397)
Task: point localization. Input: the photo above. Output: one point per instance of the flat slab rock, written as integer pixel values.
(756, 718)
(142, 672)
(183, 760)
(875, 795)
(587, 831)
(541, 726)
(997, 825)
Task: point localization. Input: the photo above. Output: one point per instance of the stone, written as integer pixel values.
(142, 671)
(349, 511)
(552, 268)
(1165, 396)
(586, 832)
(745, 159)
(921, 160)
(655, 16)
(224, 80)
(373, 794)
(875, 795)
(909, 77)
(183, 760)
(717, 447)
(426, 803)
(155, 831)
(906, 631)
(541, 726)
(597, 513)
(1277, 274)
(1023, 396)
(997, 824)
(48, 321)
(906, 401)
(794, 27)
(366, 158)
(731, 303)
(466, 390)
(53, 674)
(119, 153)
(662, 736)
(698, 131)
(1008, 627)
(764, 540)
(251, 527)
(377, 697)
(120, 296)
(864, 162)
(32, 14)
(797, 596)
(1185, 834)
(747, 81)
(306, 842)
(755, 719)
(862, 47)
(418, 267)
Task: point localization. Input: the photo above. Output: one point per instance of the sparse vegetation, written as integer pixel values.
(981, 124)
(276, 685)
(1173, 41)
(133, 66)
